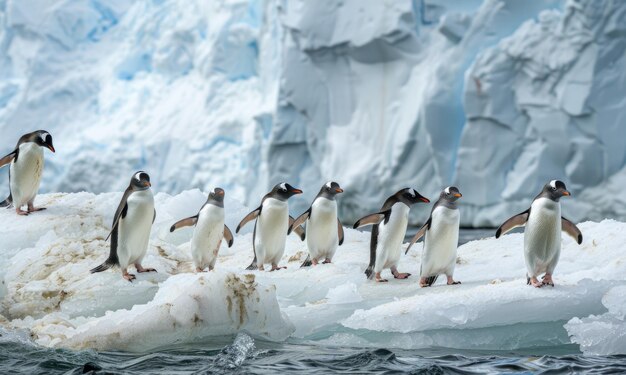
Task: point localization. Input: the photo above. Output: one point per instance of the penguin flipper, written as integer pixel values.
(571, 229)
(298, 221)
(518, 220)
(249, 217)
(372, 219)
(420, 233)
(228, 235)
(8, 158)
(369, 271)
(296, 228)
(307, 262)
(121, 211)
(184, 223)
(340, 232)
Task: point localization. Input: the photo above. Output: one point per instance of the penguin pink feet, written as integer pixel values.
(128, 276)
(326, 261)
(32, 208)
(379, 278)
(314, 262)
(276, 268)
(547, 280)
(424, 282)
(400, 275)
(452, 282)
(140, 269)
(534, 282)
(20, 212)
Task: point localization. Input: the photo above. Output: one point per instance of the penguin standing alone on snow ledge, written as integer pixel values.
(132, 223)
(441, 232)
(542, 237)
(389, 228)
(26, 169)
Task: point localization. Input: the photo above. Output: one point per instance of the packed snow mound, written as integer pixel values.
(48, 291)
(603, 334)
(375, 95)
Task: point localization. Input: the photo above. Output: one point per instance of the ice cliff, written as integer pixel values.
(495, 96)
(48, 292)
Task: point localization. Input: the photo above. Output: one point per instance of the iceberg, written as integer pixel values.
(244, 94)
(48, 292)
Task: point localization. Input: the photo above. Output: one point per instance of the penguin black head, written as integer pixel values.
(140, 181)
(554, 190)
(41, 138)
(451, 194)
(217, 196)
(330, 190)
(284, 191)
(410, 196)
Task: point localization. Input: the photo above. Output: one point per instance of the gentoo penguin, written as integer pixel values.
(209, 232)
(542, 236)
(324, 231)
(441, 232)
(131, 227)
(270, 229)
(25, 170)
(388, 232)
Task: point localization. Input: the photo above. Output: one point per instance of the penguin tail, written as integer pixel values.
(252, 266)
(369, 272)
(307, 262)
(527, 280)
(431, 280)
(103, 267)
(7, 202)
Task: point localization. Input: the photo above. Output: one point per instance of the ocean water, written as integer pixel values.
(245, 355)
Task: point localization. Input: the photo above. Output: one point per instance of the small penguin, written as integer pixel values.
(209, 232)
(130, 232)
(542, 236)
(324, 231)
(270, 229)
(388, 232)
(441, 232)
(25, 171)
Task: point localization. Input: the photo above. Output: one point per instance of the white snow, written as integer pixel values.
(48, 291)
(378, 96)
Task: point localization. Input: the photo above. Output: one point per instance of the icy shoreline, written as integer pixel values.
(48, 291)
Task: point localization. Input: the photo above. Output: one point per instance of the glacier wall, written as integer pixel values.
(495, 96)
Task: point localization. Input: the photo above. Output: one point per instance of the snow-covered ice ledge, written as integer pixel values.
(48, 290)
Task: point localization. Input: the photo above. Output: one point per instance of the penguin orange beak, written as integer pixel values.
(147, 183)
(566, 193)
(458, 195)
(425, 200)
(297, 191)
(51, 148)
(339, 190)
(220, 193)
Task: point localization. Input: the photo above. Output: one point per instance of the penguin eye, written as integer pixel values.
(554, 188)
(283, 190)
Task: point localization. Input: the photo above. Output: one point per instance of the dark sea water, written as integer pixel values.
(244, 355)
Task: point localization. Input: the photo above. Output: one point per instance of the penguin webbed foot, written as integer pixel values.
(20, 212)
(452, 282)
(547, 280)
(404, 275)
(534, 282)
(379, 278)
(276, 268)
(129, 276)
(140, 269)
(35, 209)
(326, 261)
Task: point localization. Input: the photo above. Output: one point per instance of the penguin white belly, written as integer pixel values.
(542, 237)
(207, 236)
(390, 237)
(322, 236)
(271, 231)
(440, 243)
(134, 229)
(26, 174)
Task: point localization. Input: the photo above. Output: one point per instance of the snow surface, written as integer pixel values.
(48, 291)
(494, 96)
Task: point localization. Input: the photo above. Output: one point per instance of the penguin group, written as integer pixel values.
(319, 224)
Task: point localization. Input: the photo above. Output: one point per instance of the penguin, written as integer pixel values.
(209, 231)
(25, 171)
(270, 229)
(130, 232)
(441, 238)
(324, 231)
(542, 236)
(388, 231)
